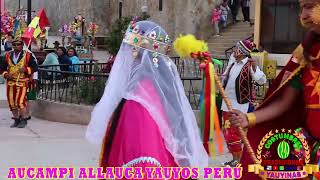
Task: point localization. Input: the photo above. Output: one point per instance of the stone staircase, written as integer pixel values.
(232, 34)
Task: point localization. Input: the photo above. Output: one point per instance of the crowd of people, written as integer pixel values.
(67, 59)
(219, 15)
(26, 77)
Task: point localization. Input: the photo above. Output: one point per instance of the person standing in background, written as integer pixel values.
(234, 6)
(245, 6)
(215, 19)
(224, 13)
(8, 43)
(17, 68)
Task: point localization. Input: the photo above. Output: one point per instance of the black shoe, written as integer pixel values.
(23, 123)
(28, 118)
(16, 122)
(232, 163)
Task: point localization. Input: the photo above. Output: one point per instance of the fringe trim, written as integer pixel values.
(142, 160)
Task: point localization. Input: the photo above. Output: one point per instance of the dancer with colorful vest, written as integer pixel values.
(17, 68)
(239, 77)
(293, 100)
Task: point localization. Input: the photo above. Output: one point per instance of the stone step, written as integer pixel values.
(234, 29)
(230, 36)
(237, 31)
(227, 38)
(232, 33)
(217, 48)
(222, 39)
(221, 44)
(241, 24)
(217, 53)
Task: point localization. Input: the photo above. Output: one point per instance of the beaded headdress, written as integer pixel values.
(152, 41)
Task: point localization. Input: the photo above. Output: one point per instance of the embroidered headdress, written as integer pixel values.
(152, 41)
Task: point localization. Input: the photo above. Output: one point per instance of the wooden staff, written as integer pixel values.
(242, 133)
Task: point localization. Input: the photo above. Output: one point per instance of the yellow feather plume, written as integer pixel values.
(185, 45)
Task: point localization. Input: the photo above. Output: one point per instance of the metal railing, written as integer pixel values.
(84, 87)
(87, 85)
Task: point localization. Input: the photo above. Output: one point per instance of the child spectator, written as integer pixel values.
(224, 13)
(215, 19)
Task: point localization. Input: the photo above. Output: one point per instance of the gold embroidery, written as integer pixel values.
(313, 106)
(19, 79)
(226, 124)
(314, 83)
(317, 57)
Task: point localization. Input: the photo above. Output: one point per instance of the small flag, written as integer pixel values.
(43, 19)
(36, 32)
(34, 23)
(27, 36)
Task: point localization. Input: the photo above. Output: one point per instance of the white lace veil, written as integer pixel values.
(179, 129)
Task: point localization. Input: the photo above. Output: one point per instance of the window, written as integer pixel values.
(281, 31)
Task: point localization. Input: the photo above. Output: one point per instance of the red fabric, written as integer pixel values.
(231, 135)
(314, 39)
(43, 19)
(207, 110)
(312, 97)
(244, 85)
(289, 120)
(19, 97)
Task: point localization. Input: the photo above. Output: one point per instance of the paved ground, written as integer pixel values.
(48, 144)
(44, 143)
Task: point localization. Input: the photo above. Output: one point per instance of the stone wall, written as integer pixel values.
(177, 16)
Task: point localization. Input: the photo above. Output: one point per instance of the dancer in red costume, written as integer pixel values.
(293, 101)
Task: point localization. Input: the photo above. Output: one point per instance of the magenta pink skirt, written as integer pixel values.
(136, 141)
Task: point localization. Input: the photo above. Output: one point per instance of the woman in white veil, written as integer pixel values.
(144, 117)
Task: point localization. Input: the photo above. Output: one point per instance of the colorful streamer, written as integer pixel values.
(210, 126)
